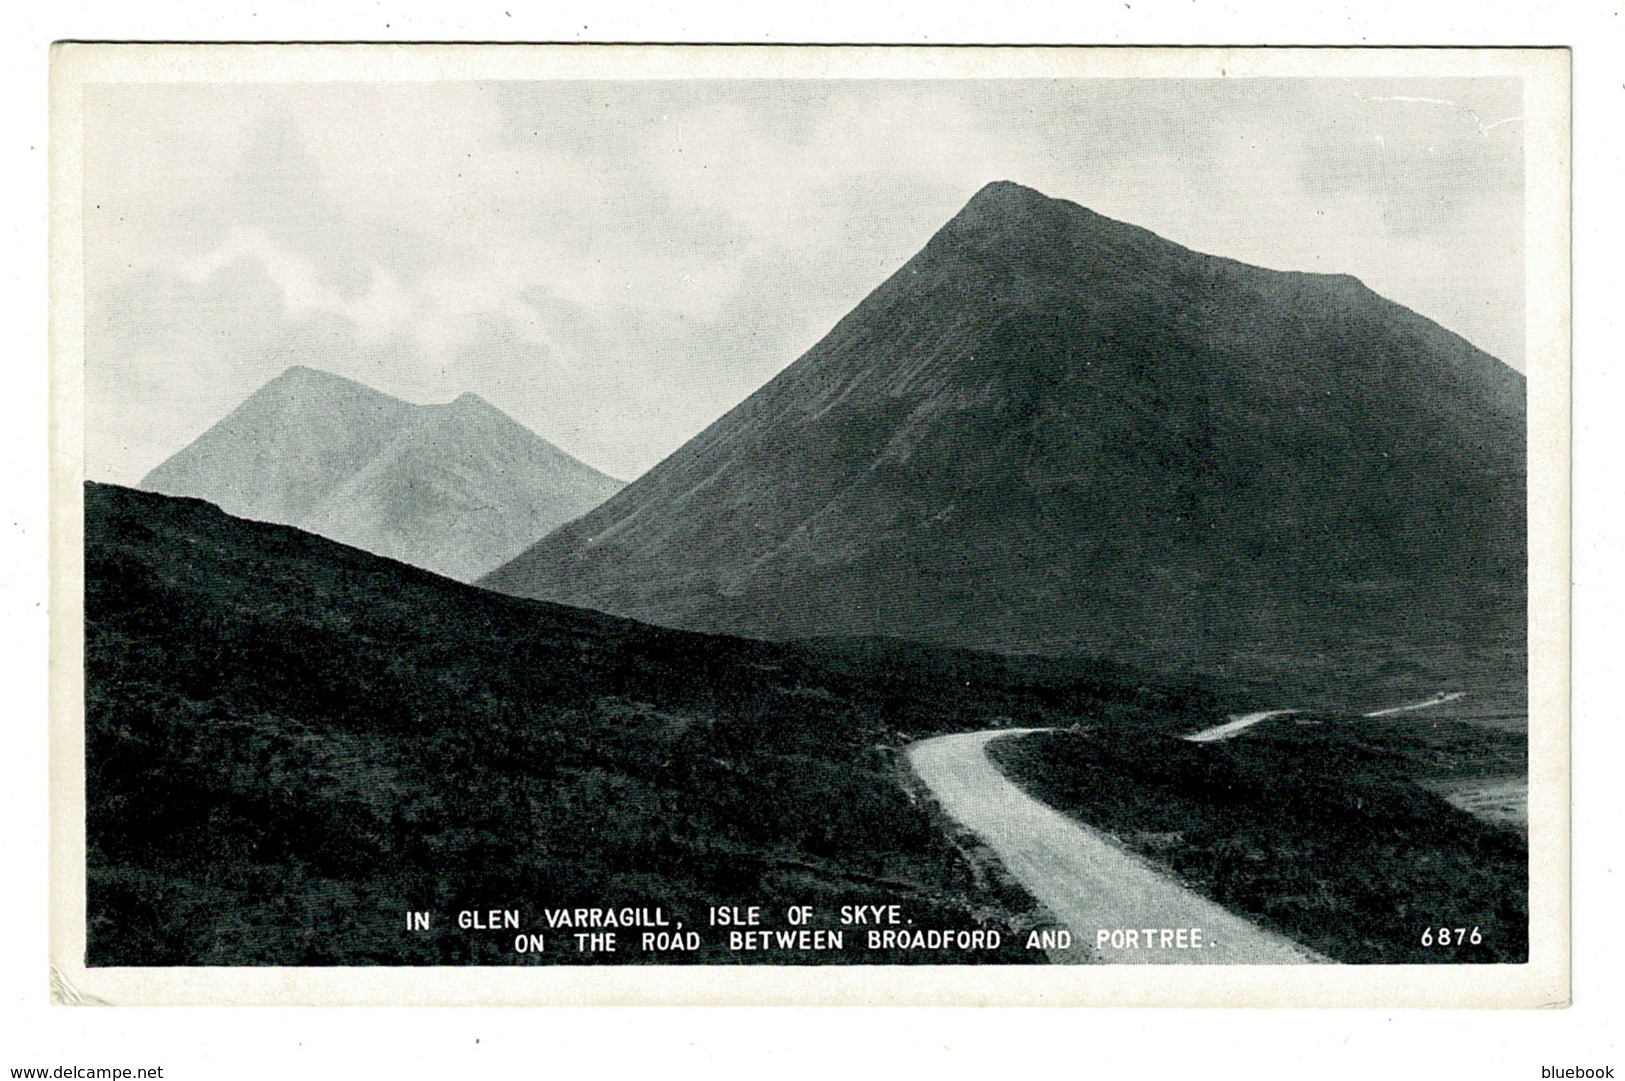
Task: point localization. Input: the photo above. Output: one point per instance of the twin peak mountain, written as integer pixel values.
(457, 489)
(1047, 432)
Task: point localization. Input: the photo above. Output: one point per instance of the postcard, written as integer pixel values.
(743, 524)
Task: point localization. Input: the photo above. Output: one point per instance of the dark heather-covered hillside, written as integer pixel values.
(457, 488)
(1313, 827)
(291, 743)
(1054, 432)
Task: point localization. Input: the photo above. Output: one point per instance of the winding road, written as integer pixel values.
(1437, 700)
(1083, 878)
(1245, 721)
(1238, 724)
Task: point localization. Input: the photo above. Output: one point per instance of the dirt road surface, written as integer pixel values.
(1085, 880)
(1436, 700)
(1236, 724)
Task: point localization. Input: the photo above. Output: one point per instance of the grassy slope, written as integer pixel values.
(1316, 831)
(291, 743)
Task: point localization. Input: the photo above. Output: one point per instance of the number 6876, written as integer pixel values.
(1450, 936)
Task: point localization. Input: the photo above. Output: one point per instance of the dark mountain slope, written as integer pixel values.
(456, 488)
(1050, 431)
(290, 743)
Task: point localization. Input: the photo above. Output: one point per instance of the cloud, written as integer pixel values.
(382, 311)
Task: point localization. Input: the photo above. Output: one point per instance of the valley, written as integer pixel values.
(1072, 577)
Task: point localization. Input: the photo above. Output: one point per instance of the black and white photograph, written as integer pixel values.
(689, 518)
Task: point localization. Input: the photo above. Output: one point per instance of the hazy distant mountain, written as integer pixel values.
(1053, 431)
(456, 488)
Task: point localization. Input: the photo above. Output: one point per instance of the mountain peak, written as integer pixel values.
(304, 379)
(469, 408)
(304, 373)
(1010, 224)
(456, 487)
(1004, 202)
(1052, 431)
(1008, 192)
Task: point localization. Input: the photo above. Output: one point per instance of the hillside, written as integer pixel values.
(1053, 432)
(291, 743)
(1316, 829)
(456, 488)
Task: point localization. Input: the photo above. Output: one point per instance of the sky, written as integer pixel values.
(616, 264)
